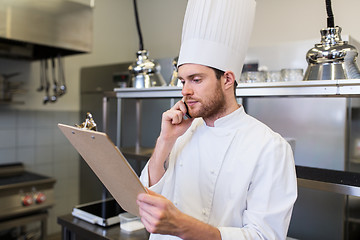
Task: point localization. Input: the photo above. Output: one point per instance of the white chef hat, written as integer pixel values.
(216, 33)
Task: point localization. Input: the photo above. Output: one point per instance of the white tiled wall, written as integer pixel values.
(33, 138)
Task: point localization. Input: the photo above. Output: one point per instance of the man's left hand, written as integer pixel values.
(158, 214)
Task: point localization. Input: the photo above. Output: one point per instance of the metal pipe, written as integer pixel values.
(105, 113)
(138, 125)
(118, 122)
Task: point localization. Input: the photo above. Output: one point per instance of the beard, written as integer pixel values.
(210, 107)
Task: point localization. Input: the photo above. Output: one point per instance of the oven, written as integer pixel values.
(25, 198)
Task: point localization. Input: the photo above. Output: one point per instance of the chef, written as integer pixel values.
(220, 174)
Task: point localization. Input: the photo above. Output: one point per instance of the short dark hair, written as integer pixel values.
(219, 73)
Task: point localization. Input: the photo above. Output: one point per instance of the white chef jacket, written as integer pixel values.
(238, 176)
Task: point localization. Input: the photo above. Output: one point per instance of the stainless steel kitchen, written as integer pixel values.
(86, 87)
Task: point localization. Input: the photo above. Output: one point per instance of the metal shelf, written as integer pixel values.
(319, 88)
(341, 182)
(142, 154)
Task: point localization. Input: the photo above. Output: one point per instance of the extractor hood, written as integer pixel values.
(32, 29)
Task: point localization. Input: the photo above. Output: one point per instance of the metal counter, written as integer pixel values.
(74, 228)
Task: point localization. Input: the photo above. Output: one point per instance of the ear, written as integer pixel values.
(229, 80)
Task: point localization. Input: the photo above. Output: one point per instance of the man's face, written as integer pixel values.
(202, 91)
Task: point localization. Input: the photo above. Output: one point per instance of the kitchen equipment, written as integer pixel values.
(25, 198)
(42, 76)
(272, 76)
(6, 87)
(55, 84)
(332, 58)
(130, 223)
(144, 72)
(58, 79)
(252, 76)
(46, 98)
(290, 75)
(104, 212)
(175, 81)
(62, 88)
(61, 27)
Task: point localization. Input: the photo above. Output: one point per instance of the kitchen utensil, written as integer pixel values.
(53, 98)
(46, 98)
(272, 76)
(289, 75)
(42, 76)
(62, 88)
(252, 76)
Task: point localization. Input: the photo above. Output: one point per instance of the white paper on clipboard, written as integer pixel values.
(109, 165)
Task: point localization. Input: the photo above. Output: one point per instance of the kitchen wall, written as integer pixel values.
(28, 131)
(280, 21)
(116, 40)
(31, 137)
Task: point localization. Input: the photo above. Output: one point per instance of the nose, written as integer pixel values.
(186, 89)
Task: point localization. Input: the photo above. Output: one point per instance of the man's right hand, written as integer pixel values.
(173, 124)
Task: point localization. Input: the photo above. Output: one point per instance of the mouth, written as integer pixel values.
(191, 102)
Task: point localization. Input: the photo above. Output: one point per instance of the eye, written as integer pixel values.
(196, 80)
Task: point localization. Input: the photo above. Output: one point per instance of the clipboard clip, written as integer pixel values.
(88, 124)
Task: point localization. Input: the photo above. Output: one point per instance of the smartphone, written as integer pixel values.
(187, 115)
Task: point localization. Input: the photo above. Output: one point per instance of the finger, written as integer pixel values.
(174, 116)
(183, 107)
(154, 193)
(148, 220)
(177, 118)
(150, 199)
(147, 224)
(180, 105)
(148, 212)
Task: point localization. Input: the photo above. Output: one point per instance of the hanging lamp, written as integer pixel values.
(333, 58)
(144, 72)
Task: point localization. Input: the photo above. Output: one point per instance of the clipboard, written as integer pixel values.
(108, 163)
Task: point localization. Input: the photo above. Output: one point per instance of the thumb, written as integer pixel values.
(154, 193)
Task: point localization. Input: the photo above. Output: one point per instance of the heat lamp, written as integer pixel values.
(333, 58)
(145, 72)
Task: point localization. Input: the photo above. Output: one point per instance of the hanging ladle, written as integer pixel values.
(62, 88)
(42, 76)
(55, 84)
(46, 98)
